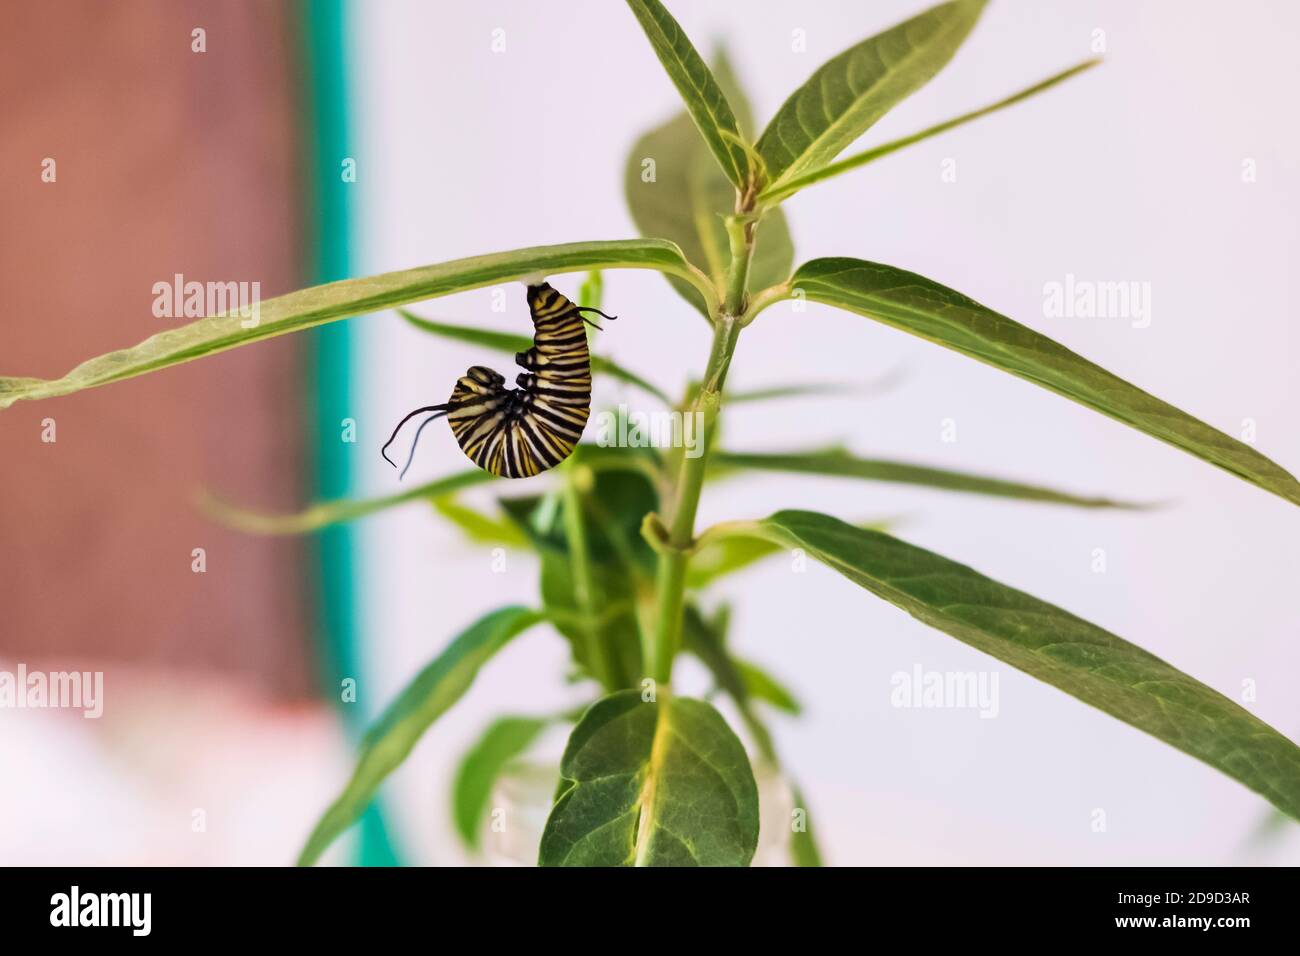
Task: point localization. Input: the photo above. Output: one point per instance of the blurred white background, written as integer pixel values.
(1131, 172)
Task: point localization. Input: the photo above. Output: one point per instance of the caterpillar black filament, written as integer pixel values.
(521, 432)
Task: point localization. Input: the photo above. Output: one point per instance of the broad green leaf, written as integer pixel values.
(836, 462)
(846, 95)
(478, 527)
(510, 343)
(927, 309)
(326, 513)
(1056, 647)
(504, 740)
(425, 699)
(803, 844)
(743, 683)
(791, 186)
(340, 300)
(688, 195)
(760, 685)
(662, 783)
(704, 99)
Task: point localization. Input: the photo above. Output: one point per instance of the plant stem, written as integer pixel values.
(674, 552)
(575, 531)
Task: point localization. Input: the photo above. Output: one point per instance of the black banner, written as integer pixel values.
(219, 905)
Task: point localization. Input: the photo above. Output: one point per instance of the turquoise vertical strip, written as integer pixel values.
(329, 243)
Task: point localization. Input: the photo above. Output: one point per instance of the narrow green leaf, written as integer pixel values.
(326, 513)
(652, 784)
(339, 300)
(505, 342)
(1268, 827)
(511, 343)
(602, 633)
(592, 290)
(478, 527)
(613, 509)
(706, 638)
(836, 462)
(687, 196)
(704, 100)
(760, 685)
(792, 186)
(726, 555)
(803, 844)
(934, 312)
(723, 550)
(425, 699)
(847, 94)
(504, 740)
(1056, 647)
(779, 392)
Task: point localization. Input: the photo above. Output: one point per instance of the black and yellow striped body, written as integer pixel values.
(520, 432)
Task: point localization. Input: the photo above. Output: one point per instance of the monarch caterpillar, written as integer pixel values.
(521, 432)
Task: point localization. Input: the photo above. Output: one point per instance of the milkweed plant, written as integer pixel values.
(650, 777)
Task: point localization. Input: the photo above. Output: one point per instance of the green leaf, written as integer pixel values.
(504, 740)
(340, 300)
(780, 392)
(652, 784)
(726, 555)
(791, 186)
(846, 95)
(706, 638)
(425, 699)
(760, 685)
(927, 309)
(613, 509)
(480, 528)
(723, 550)
(837, 462)
(803, 844)
(1056, 647)
(511, 343)
(704, 99)
(876, 386)
(689, 195)
(610, 621)
(326, 513)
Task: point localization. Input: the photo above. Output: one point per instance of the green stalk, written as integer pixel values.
(674, 550)
(575, 532)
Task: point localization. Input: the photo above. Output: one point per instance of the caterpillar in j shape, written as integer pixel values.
(523, 431)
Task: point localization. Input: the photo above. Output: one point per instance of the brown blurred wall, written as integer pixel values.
(168, 161)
